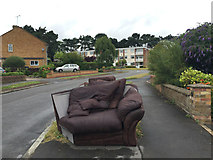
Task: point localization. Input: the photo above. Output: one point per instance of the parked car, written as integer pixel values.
(68, 67)
(2, 70)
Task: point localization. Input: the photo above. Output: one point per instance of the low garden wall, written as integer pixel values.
(66, 74)
(196, 101)
(12, 79)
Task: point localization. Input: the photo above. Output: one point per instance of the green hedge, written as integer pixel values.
(12, 73)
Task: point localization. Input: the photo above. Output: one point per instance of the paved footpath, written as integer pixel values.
(168, 133)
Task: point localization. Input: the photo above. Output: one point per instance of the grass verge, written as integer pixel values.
(132, 69)
(95, 74)
(18, 85)
(54, 134)
(137, 76)
(139, 130)
(129, 82)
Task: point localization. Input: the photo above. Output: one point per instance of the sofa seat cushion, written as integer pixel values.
(98, 122)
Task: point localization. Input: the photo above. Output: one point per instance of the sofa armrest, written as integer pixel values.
(60, 104)
(130, 124)
(132, 100)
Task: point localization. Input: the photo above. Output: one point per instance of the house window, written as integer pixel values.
(121, 51)
(132, 56)
(121, 57)
(34, 63)
(10, 47)
(125, 57)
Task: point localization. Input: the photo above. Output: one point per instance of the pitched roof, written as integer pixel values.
(14, 26)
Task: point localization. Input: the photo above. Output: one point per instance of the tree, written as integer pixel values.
(105, 50)
(14, 63)
(166, 62)
(86, 42)
(49, 37)
(100, 35)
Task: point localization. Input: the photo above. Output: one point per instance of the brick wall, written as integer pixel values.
(25, 45)
(11, 79)
(196, 101)
(65, 74)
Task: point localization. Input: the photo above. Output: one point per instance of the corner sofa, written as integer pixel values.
(104, 112)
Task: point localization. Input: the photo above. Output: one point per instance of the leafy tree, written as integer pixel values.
(166, 62)
(100, 35)
(14, 63)
(72, 57)
(105, 50)
(114, 42)
(49, 37)
(86, 42)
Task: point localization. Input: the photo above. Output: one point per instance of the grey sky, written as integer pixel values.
(116, 18)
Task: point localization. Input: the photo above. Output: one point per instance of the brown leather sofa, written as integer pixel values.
(105, 112)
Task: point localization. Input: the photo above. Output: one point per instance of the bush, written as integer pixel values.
(197, 47)
(88, 65)
(14, 63)
(191, 76)
(100, 70)
(130, 66)
(12, 74)
(43, 70)
(166, 62)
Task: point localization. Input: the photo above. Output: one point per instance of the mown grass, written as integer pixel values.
(129, 82)
(18, 85)
(139, 130)
(54, 134)
(95, 74)
(137, 76)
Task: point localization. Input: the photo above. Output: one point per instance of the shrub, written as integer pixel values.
(191, 76)
(12, 74)
(88, 65)
(14, 63)
(166, 62)
(43, 70)
(100, 70)
(197, 47)
(130, 66)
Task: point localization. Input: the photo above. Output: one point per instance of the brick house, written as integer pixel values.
(18, 42)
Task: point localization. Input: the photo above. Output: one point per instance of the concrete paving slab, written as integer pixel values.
(54, 149)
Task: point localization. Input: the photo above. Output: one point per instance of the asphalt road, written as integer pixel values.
(26, 113)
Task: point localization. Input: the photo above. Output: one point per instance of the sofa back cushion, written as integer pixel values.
(102, 93)
(103, 78)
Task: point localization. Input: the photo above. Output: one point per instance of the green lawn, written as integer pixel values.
(13, 86)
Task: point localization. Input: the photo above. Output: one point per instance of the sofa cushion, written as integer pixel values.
(131, 101)
(118, 94)
(101, 92)
(89, 104)
(103, 78)
(77, 111)
(98, 122)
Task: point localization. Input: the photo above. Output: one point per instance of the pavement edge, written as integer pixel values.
(38, 141)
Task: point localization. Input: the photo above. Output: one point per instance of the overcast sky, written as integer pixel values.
(116, 18)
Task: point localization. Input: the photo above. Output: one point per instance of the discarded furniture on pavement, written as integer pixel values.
(105, 112)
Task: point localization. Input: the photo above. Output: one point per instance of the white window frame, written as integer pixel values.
(34, 63)
(10, 47)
